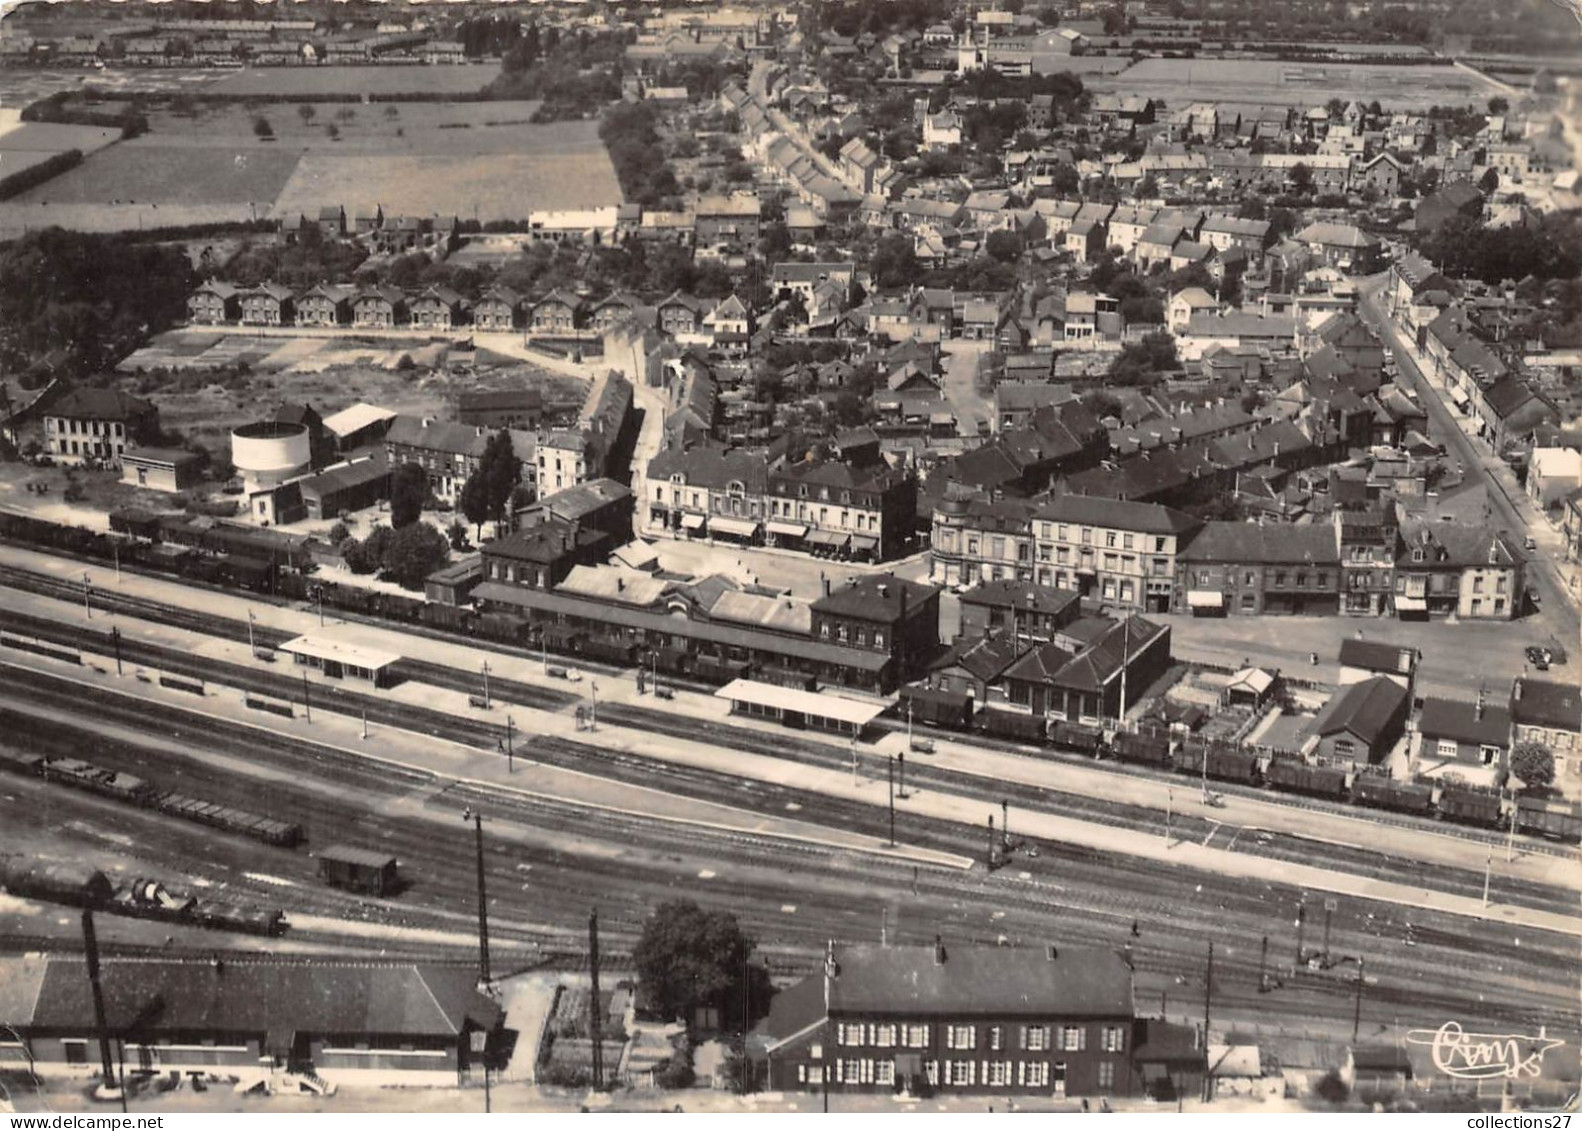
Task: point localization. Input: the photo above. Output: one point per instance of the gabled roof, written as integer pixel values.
(1022, 595)
(1364, 709)
(1539, 702)
(980, 981)
(1461, 721)
(1117, 514)
(1252, 543)
(88, 403)
(875, 597)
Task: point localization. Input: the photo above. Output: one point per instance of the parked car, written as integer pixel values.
(1539, 657)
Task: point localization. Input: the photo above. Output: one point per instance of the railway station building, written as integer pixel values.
(340, 660)
(365, 1023)
(1050, 1021)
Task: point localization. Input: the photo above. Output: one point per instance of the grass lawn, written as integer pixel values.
(151, 173)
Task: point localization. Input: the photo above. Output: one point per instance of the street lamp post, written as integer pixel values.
(510, 763)
(593, 697)
(318, 596)
(483, 899)
(486, 685)
(86, 607)
(252, 645)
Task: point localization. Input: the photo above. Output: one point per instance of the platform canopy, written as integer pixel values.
(335, 651)
(853, 712)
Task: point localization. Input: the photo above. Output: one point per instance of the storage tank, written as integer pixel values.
(269, 452)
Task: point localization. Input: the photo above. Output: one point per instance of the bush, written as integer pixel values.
(262, 128)
(338, 534)
(677, 1072)
(19, 182)
(1332, 1088)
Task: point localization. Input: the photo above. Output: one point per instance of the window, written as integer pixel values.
(1038, 1074)
(999, 1074)
(885, 1036)
(1109, 538)
(916, 1036)
(884, 1073)
(1065, 532)
(1344, 747)
(1114, 1038)
(1127, 542)
(76, 1051)
(848, 1071)
(1073, 1038)
(931, 1072)
(1490, 755)
(962, 1073)
(1035, 1038)
(878, 638)
(1087, 535)
(847, 1034)
(1159, 545)
(996, 1035)
(961, 1037)
(1106, 1074)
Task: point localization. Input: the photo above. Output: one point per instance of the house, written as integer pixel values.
(97, 424)
(731, 323)
(1362, 659)
(344, 487)
(1461, 733)
(542, 555)
(447, 453)
(1459, 198)
(732, 219)
(1186, 304)
(325, 305)
(504, 408)
(214, 304)
(438, 308)
(1015, 403)
(268, 304)
(1343, 246)
(1381, 173)
(1360, 724)
(612, 309)
(1022, 609)
(974, 666)
(1451, 568)
(1249, 569)
(1049, 1021)
(1553, 475)
(883, 613)
(498, 308)
(1550, 713)
(379, 307)
(942, 130)
(332, 221)
(679, 314)
(366, 1023)
(558, 312)
(804, 279)
(1094, 669)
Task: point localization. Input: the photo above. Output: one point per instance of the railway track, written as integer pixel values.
(1079, 897)
(484, 734)
(532, 695)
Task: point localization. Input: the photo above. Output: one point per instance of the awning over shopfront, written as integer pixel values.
(827, 538)
(787, 529)
(735, 527)
(1205, 599)
(693, 521)
(1411, 605)
(864, 544)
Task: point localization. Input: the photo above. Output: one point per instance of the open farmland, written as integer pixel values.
(25, 144)
(1182, 81)
(457, 78)
(483, 160)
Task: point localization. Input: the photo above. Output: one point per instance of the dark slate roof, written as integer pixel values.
(549, 541)
(984, 657)
(981, 981)
(1363, 709)
(99, 404)
(1251, 543)
(1539, 702)
(1118, 514)
(1376, 656)
(1465, 722)
(1022, 595)
(279, 999)
(876, 597)
(711, 467)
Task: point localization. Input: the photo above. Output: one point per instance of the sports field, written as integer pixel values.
(1183, 81)
(450, 78)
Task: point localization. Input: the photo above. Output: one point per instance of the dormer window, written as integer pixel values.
(1417, 554)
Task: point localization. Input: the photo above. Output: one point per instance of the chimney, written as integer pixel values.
(825, 580)
(620, 585)
(939, 951)
(1051, 952)
(1516, 690)
(1478, 710)
(884, 590)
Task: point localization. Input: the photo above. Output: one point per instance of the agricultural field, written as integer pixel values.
(25, 144)
(451, 78)
(483, 160)
(1052, 62)
(1183, 81)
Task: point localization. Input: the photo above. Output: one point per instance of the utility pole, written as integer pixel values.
(90, 942)
(1329, 909)
(1005, 824)
(318, 595)
(307, 702)
(483, 900)
(115, 638)
(989, 860)
(595, 1011)
(510, 763)
(900, 774)
(115, 548)
(593, 716)
(252, 645)
(1208, 998)
(1488, 868)
(86, 607)
(1170, 805)
(1263, 966)
(486, 685)
(909, 724)
(1356, 1015)
(892, 802)
(1510, 837)
(1301, 922)
(1126, 640)
(365, 722)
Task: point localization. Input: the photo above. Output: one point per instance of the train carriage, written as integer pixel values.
(936, 707)
(1225, 763)
(359, 869)
(1549, 817)
(609, 649)
(107, 783)
(1014, 726)
(1299, 777)
(1471, 806)
(67, 883)
(22, 762)
(1075, 736)
(1387, 793)
(782, 676)
(1144, 748)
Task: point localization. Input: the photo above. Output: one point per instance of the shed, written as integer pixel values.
(160, 469)
(359, 869)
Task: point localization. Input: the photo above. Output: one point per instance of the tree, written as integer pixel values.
(894, 262)
(1489, 181)
(408, 490)
(687, 957)
(1004, 245)
(413, 552)
(488, 490)
(1148, 187)
(338, 534)
(1301, 178)
(457, 533)
(262, 128)
(1533, 763)
(307, 112)
(1499, 104)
